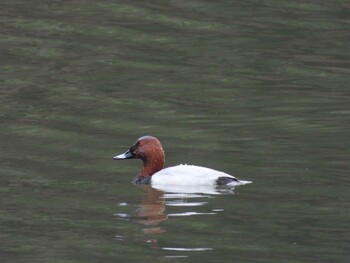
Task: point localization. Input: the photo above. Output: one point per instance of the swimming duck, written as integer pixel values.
(150, 151)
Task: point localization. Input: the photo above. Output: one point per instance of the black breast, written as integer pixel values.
(142, 180)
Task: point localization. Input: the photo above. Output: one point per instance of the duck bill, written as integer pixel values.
(127, 155)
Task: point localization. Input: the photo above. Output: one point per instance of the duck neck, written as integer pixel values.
(152, 165)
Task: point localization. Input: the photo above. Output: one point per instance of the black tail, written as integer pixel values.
(225, 180)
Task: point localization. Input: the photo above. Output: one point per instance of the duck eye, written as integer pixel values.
(133, 148)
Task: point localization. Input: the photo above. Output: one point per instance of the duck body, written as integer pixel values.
(191, 175)
(150, 151)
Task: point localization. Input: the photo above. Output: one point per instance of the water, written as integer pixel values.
(256, 89)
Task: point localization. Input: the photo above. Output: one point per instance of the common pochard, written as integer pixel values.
(150, 151)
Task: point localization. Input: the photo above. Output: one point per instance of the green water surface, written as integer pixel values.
(258, 89)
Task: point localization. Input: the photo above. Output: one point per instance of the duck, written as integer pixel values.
(150, 151)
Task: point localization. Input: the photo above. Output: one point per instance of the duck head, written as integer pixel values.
(150, 151)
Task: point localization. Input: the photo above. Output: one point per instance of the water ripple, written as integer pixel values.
(187, 249)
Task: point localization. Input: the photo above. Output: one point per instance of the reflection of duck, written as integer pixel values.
(152, 211)
(150, 151)
(152, 207)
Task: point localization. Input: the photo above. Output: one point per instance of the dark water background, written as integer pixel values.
(258, 89)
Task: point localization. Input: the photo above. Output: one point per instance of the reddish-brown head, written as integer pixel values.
(150, 151)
